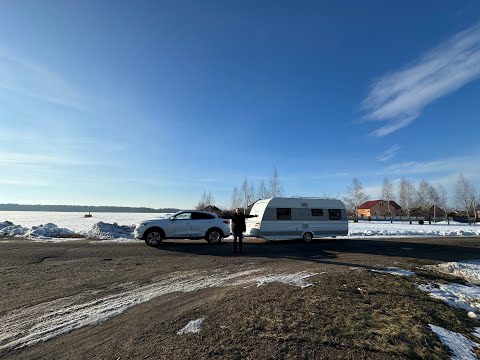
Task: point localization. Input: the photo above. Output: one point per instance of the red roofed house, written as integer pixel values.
(378, 208)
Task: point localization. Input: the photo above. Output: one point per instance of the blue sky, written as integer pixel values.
(151, 103)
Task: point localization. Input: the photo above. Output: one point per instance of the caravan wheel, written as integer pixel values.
(307, 237)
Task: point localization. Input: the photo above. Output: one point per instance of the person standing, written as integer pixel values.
(238, 227)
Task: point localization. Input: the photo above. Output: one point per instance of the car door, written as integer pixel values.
(201, 222)
(182, 225)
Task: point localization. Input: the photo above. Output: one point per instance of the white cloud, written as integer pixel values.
(389, 153)
(399, 97)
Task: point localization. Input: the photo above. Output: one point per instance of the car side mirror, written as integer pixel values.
(172, 218)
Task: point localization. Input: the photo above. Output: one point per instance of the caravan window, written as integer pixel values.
(284, 214)
(317, 212)
(334, 214)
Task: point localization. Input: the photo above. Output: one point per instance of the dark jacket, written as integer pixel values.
(238, 222)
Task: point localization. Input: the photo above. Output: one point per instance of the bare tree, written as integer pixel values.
(246, 194)
(263, 192)
(442, 200)
(433, 199)
(423, 196)
(206, 200)
(465, 194)
(406, 196)
(236, 198)
(355, 197)
(276, 189)
(387, 195)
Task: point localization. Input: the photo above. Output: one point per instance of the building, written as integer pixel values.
(379, 208)
(430, 212)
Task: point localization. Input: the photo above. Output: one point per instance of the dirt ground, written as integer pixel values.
(350, 312)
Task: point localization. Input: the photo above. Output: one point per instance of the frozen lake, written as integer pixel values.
(75, 221)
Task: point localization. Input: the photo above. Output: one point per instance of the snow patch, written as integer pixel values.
(460, 346)
(193, 326)
(297, 279)
(465, 297)
(468, 270)
(394, 271)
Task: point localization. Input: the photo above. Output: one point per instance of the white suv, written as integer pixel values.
(188, 224)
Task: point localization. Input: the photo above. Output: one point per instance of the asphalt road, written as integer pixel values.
(142, 286)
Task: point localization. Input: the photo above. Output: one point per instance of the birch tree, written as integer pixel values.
(442, 200)
(423, 196)
(246, 194)
(465, 194)
(355, 197)
(236, 199)
(406, 196)
(263, 192)
(387, 194)
(276, 189)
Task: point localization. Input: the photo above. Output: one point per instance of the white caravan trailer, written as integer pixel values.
(282, 218)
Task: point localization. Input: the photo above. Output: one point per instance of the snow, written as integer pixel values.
(119, 226)
(386, 229)
(41, 322)
(105, 231)
(297, 279)
(460, 346)
(466, 297)
(468, 270)
(193, 326)
(394, 271)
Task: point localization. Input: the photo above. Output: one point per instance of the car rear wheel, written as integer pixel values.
(153, 237)
(307, 237)
(214, 236)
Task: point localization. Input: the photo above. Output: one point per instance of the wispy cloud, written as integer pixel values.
(23, 77)
(389, 153)
(19, 159)
(399, 97)
(465, 164)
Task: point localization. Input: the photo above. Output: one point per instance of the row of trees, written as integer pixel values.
(423, 197)
(246, 194)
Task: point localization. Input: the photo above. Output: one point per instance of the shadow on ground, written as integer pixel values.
(426, 249)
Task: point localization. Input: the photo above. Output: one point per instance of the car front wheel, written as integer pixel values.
(214, 236)
(153, 237)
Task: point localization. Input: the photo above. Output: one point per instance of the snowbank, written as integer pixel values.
(385, 228)
(48, 231)
(468, 270)
(105, 231)
(99, 231)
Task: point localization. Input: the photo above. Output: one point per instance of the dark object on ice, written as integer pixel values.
(88, 215)
(420, 222)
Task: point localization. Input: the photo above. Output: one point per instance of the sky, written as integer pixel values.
(152, 103)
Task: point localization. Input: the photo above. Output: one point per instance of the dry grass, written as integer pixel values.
(356, 314)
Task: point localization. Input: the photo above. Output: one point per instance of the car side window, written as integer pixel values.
(202, 216)
(184, 216)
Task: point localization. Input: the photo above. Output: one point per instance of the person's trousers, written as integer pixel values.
(238, 236)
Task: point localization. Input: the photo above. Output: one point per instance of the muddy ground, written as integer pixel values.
(51, 292)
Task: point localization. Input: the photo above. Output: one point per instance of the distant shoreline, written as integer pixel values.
(83, 208)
